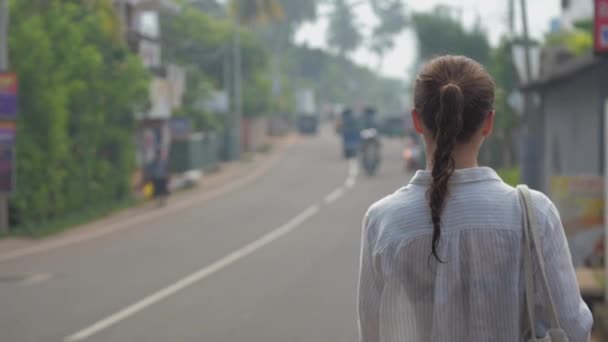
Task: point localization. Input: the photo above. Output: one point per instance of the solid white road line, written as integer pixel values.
(334, 195)
(36, 279)
(195, 277)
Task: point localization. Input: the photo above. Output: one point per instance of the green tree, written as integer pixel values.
(392, 21)
(203, 45)
(79, 89)
(577, 41)
(344, 35)
(440, 32)
(507, 121)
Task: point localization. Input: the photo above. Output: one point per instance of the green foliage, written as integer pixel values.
(79, 87)
(198, 87)
(256, 95)
(197, 41)
(505, 75)
(585, 25)
(344, 35)
(392, 20)
(340, 81)
(203, 45)
(579, 42)
(297, 11)
(511, 176)
(256, 11)
(440, 32)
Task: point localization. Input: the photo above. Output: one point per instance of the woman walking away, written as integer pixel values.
(444, 258)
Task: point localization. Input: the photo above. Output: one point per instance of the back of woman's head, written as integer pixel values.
(453, 96)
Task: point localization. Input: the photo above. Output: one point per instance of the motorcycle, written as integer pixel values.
(413, 156)
(370, 151)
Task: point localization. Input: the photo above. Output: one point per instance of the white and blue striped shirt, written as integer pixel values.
(478, 293)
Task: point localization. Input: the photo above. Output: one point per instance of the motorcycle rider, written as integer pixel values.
(370, 144)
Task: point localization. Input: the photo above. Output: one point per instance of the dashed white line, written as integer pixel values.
(194, 277)
(353, 168)
(334, 195)
(353, 171)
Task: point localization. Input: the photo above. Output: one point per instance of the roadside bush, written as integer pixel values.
(79, 88)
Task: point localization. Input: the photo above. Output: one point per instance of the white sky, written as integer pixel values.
(493, 14)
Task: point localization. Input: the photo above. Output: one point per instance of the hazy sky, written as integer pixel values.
(492, 12)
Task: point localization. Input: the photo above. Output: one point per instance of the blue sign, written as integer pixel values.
(8, 96)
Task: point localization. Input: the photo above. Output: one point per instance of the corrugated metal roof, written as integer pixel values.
(565, 70)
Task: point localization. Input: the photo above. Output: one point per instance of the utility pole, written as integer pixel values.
(4, 20)
(235, 133)
(531, 164)
(606, 199)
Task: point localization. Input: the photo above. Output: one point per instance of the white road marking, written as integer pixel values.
(353, 168)
(334, 195)
(195, 277)
(353, 171)
(36, 279)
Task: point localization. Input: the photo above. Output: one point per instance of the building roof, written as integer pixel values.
(565, 70)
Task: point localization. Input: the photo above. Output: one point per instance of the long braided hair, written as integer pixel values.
(453, 95)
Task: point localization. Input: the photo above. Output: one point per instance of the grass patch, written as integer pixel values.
(511, 176)
(44, 229)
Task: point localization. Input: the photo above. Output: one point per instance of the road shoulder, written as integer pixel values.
(230, 177)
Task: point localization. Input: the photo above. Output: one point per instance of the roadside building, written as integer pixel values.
(571, 102)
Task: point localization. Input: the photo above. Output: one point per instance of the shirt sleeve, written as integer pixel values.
(370, 289)
(572, 312)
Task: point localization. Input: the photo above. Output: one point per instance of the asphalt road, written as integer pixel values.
(272, 261)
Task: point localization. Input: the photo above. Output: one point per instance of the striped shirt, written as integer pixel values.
(478, 293)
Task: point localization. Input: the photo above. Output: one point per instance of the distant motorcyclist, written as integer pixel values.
(370, 142)
(350, 130)
(369, 118)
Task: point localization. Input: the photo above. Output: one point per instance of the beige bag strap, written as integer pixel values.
(531, 229)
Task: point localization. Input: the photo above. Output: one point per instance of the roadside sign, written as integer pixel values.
(7, 132)
(8, 96)
(601, 27)
(580, 201)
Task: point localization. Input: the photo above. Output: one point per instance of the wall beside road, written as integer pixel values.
(254, 133)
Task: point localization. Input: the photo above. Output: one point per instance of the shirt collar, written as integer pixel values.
(475, 174)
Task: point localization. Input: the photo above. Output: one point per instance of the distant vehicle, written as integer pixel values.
(307, 115)
(393, 126)
(370, 151)
(307, 124)
(413, 155)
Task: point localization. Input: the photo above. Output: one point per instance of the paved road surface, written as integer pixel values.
(274, 261)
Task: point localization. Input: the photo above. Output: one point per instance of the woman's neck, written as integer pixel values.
(464, 157)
